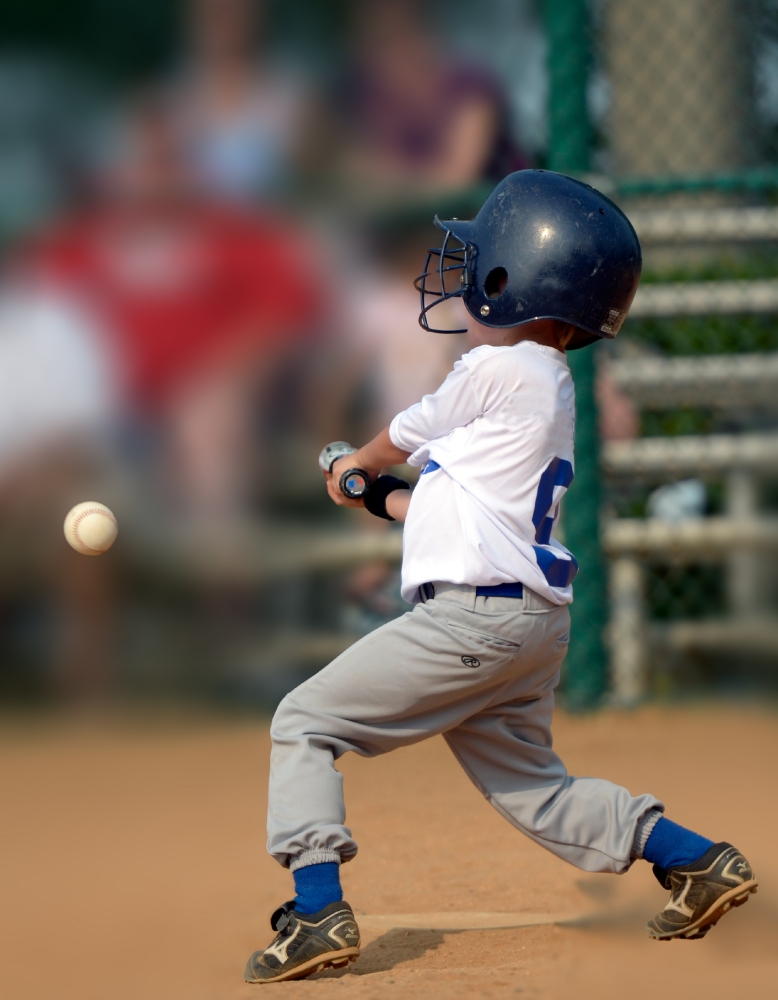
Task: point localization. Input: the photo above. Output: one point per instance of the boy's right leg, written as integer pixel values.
(506, 752)
(706, 880)
(595, 824)
(592, 823)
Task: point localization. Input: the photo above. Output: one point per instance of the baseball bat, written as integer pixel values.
(354, 483)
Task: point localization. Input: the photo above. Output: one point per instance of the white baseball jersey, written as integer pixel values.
(496, 446)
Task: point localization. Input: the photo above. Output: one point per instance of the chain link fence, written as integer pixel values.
(684, 102)
(684, 88)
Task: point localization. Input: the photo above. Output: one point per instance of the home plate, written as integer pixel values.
(461, 921)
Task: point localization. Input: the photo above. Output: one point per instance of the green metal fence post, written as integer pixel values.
(568, 67)
(569, 143)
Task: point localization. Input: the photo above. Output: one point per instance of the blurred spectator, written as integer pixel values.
(397, 361)
(202, 304)
(57, 405)
(56, 377)
(392, 362)
(416, 118)
(679, 501)
(619, 417)
(154, 308)
(239, 117)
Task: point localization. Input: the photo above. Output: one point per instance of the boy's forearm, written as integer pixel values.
(379, 453)
(397, 504)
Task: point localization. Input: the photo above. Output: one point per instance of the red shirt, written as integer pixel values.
(181, 291)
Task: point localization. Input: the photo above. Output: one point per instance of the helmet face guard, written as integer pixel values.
(454, 268)
(543, 246)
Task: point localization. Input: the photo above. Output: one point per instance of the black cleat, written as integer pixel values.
(702, 893)
(306, 943)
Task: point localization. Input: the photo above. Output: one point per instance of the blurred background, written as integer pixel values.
(211, 213)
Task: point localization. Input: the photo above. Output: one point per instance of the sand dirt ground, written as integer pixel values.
(132, 864)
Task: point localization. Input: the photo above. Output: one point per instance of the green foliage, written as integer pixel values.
(707, 334)
(712, 334)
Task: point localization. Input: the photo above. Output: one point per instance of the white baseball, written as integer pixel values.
(91, 528)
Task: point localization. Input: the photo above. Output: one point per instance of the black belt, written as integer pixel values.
(501, 590)
(498, 590)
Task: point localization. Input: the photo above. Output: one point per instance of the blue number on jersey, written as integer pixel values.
(559, 571)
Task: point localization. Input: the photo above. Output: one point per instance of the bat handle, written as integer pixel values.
(354, 483)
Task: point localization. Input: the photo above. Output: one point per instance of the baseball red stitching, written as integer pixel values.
(85, 513)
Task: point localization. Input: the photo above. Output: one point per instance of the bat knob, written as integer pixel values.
(354, 483)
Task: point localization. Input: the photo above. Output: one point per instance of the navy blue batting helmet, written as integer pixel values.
(543, 246)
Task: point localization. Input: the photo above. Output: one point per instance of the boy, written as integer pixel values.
(548, 264)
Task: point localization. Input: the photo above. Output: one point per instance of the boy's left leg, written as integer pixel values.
(422, 674)
(448, 661)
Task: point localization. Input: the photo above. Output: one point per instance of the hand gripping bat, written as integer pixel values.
(354, 483)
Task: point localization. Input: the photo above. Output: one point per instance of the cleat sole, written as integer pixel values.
(701, 926)
(332, 960)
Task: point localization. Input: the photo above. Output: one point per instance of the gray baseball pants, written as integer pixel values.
(479, 670)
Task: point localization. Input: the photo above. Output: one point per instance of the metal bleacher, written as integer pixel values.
(743, 539)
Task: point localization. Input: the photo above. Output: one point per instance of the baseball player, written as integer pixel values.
(548, 265)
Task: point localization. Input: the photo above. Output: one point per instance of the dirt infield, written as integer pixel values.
(132, 865)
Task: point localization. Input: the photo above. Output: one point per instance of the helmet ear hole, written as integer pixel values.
(495, 282)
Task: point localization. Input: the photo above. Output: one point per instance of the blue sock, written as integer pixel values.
(673, 846)
(316, 886)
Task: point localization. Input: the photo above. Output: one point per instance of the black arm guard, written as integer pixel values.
(375, 500)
